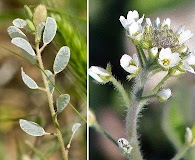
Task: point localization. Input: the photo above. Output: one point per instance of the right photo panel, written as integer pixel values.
(141, 80)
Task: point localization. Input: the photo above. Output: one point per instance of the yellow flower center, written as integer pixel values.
(166, 62)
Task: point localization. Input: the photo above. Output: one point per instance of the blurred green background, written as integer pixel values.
(18, 101)
(161, 126)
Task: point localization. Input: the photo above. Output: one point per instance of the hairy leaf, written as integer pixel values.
(28, 81)
(23, 44)
(50, 30)
(62, 102)
(61, 59)
(16, 32)
(31, 128)
(20, 23)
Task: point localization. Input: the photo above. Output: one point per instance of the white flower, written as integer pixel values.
(188, 62)
(164, 94)
(135, 31)
(124, 146)
(148, 22)
(129, 64)
(167, 59)
(157, 22)
(99, 74)
(166, 22)
(184, 35)
(132, 16)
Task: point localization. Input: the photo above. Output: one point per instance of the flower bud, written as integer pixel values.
(153, 52)
(40, 15)
(164, 94)
(30, 25)
(91, 118)
(28, 12)
(99, 74)
(124, 146)
(188, 136)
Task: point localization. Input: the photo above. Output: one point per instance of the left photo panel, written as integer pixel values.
(43, 80)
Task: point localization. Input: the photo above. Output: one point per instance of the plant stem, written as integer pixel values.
(181, 152)
(120, 88)
(160, 84)
(50, 101)
(102, 131)
(133, 113)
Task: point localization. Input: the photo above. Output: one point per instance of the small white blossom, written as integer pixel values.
(157, 22)
(164, 94)
(184, 35)
(148, 22)
(135, 31)
(124, 146)
(188, 62)
(166, 22)
(167, 59)
(99, 74)
(130, 64)
(132, 16)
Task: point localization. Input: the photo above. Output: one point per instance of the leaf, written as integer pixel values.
(75, 127)
(23, 44)
(61, 59)
(31, 58)
(50, 30)
(52, 78)
(62, 102)
(28, 81)
(40, 30)
(15, 32)
(20, 23)
(31, 128)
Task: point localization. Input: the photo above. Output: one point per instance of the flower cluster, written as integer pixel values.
(158, 46)
(158, 41)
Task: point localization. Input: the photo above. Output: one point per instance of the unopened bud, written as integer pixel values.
(153, 52)
(40, 15)
(124, 146)
(188, 136)
(28, 12)
(30, 25)
(164, 94)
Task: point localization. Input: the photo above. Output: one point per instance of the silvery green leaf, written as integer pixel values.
(28, 81)
(23, 44)
(31, 58)
(52, 79)
(31, 128)
(20, 23)
(15, 32)
(61, 59)
(50, 30)
(40, 30)
(75, 127)
(62, 101)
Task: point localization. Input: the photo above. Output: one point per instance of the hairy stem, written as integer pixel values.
(133, 114)
(101, 130)
(50, 101)
(122, 91)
